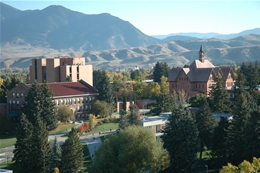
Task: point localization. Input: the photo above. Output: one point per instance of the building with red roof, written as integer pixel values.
(79, 96)
(199, 77)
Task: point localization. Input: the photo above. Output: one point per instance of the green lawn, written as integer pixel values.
(62, 127)
(103, 127)
(6, 141)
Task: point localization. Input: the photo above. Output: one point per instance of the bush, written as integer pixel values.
(106, 121)
(99, 123)
(113, 120)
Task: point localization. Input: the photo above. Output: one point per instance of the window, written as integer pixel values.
(17, 103)
(89, 98)
(10, 101)
(13, 95)
(74, 101)
(86, 99)
(13, 101)
(17, 95)
(21, 94)
(86, 108)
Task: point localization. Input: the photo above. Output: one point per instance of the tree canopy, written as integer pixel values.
(134, 149)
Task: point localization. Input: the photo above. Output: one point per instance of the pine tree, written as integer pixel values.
(180, 138)
(33, 103)
(206, 124)
(219, 97)
(164, 103)
(72, 154)
(134, 118)
(160, 69)
(48, 115)
(124, 103)
(219, 141)
(40, 150)
(253, 78)
(55, 158)
(123, 120)
(243, 108)
(23, 144)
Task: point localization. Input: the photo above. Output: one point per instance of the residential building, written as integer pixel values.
(60, 69)
(79, 96)
(199, 76)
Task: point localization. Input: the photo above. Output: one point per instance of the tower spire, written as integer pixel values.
(201, 54)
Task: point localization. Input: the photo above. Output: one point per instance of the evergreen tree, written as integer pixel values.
(102, 84)
(135, 74)
(23, 144)
(243, 108)
(72, 154)
(40, 150)
(219, 97)
(48, 115)
(160, 69)
(219, 141)
(253, 78)
(180, 138)
(164, 103)
(206, 124)
(134, 118)
(124, 103)
(55, 158)
(33, 103)
(123, 119)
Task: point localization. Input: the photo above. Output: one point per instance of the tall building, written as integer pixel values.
(60, 69)
(199, 76)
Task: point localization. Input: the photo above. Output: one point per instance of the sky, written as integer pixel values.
(162, 17)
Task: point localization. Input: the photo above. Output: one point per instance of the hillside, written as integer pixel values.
(59, 28)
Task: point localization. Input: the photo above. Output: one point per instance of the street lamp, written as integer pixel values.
(43, 161)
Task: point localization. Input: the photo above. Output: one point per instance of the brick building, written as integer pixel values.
(199, 77)
(79, 96)
(59, 69)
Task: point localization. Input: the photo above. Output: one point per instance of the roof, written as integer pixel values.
(60, 89)
(199, 64)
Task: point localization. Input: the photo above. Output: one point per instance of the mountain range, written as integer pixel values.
(107, 41)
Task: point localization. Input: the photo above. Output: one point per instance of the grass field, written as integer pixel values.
(6, 141)
(103, 127)
(62, 127)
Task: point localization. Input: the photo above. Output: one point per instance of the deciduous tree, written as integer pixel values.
(134, 149)
(64, 113)
(101, 108)
(92, 121)
(123, 119)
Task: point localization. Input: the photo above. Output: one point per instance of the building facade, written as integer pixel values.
(60, 69)
(199, 77)
(79, 96)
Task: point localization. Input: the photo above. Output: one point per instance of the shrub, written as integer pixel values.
(84, 128)
(106, 121)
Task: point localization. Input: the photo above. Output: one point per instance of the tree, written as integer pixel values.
(102, 84)
(92, 121)
(253, 78)
(68, 79)
(101, 108)
(242, 110)
(164, 85)
(5, 124)
(23, 144)
(48, 114)
(124, 103)
(164, 103)
(219, 141)
(180, 138)
(245, 166)
(205, 124)
(134, 74)
(140, 88)
(40, 148)
(196, 100)
(72, 153)
(134, 118)
(219, 97)
(123, 119)
(64, 113)
(134, 149)
(33, 103)
(160, 69)
(153, 89)
(55, 158)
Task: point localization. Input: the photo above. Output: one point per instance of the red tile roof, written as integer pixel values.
(60, 89)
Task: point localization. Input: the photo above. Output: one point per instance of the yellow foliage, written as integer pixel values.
(56, 170)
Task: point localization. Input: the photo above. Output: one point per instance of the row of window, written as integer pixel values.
(83, 108)
(74, 100)
(18, 95)
(196, 86)
(14, 102)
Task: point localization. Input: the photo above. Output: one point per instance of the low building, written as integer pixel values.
(79, 96)
(156, 123)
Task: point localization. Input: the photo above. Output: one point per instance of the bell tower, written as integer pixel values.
(201, 55)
